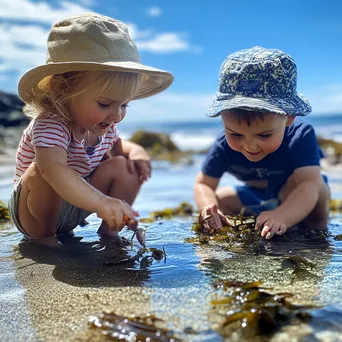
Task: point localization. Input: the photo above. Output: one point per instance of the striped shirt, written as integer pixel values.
(53, 133)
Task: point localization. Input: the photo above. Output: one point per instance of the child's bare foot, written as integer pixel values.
(104, 232)
(51, 242)
(316, 225)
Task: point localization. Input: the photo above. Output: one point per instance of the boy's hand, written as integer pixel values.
(271, 223)
(140, 160)
(113, 210)
(212, 218)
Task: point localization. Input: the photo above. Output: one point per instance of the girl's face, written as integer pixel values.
(97, 112)
(259, 139)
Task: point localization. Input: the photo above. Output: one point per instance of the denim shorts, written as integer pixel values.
(69, 216)
(257, 200)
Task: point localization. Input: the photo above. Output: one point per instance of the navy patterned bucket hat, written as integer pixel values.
(259, 79)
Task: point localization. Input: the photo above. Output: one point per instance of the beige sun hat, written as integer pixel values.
(92, 41)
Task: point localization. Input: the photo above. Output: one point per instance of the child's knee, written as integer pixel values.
(32, 176)
(229, 201)
(323, 203)
(120, 169)
(37, 204)
(320, 213)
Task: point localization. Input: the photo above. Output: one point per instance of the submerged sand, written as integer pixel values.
(59, 290)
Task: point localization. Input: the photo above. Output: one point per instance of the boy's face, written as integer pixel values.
(259, 139)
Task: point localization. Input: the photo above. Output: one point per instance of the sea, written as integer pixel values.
(198, 135)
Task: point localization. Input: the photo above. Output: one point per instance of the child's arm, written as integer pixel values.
(136, 155)
(52, 163)
(297, 205)
(206, 200)
(205, 187)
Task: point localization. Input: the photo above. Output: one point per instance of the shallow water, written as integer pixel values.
(49, 294)
(177, 289)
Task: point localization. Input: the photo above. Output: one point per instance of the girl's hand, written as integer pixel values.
(112, 211)
(139, 160)
(271, 223)
(212, 218)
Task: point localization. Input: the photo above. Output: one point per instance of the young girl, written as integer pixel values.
(71, 161)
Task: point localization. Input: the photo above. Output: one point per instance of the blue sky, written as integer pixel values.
(191, 39)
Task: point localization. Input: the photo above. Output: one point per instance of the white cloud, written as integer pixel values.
(87, 3)
(38, 11)
(23, 45)
(164, 43)
(135, 33)
(154, 11)
(34, 36)
(327, 100)
(170, 106)
(4, 78)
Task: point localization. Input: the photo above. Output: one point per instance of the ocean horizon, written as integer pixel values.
(199, 134)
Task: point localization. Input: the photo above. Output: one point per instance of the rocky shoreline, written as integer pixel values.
(159, 145)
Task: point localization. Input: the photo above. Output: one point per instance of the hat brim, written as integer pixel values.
(152, 82)
(295, 105)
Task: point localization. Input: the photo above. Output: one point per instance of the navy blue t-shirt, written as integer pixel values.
(299, 148)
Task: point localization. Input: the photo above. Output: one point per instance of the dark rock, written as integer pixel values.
(158, 142)
(160, 147)
(11, 110)
(331, 149)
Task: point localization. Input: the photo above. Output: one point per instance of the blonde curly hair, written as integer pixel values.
(50, 97)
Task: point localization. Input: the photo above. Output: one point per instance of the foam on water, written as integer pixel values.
(198, 135)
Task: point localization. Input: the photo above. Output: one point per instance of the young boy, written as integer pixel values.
(264, 144)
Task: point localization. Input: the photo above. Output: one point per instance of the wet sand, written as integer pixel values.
(60, 310)
(61, 289)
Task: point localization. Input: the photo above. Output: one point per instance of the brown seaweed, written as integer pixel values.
(250, 309)
(300, 266)
(296, 262)
(336, 205)
(239, 234)
(338, 237)
(4, 214)
(158, 254)
(132, 328)
(141, 258)
(184, 209)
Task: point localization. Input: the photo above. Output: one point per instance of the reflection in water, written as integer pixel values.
(107, 263)
(294, 263)
(87, 276)
(132, 328)
(66, 285)
(248, 310)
